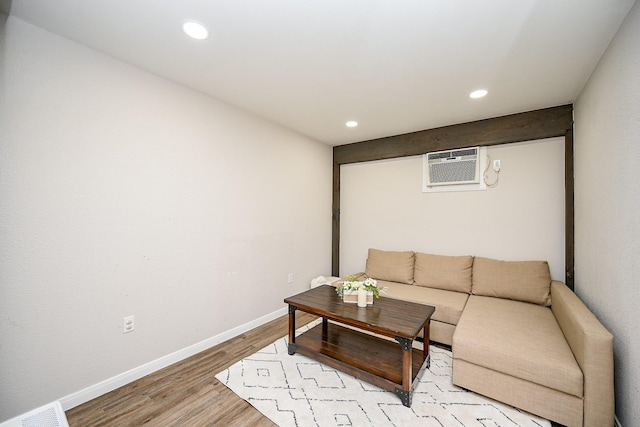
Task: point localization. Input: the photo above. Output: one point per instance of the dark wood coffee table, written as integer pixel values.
(391, 364)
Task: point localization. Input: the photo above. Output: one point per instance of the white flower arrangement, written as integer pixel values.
(353, 283)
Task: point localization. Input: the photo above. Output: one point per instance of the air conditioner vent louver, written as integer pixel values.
(453, 167)
(454, 153)
(452, 173)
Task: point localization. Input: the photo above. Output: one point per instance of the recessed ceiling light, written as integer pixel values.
(196, 30)
(351, 124)
(478, 93)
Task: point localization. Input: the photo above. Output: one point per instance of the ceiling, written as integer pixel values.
(395, 66)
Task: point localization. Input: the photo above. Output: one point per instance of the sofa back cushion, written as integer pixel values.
(391, 266)
(528, 281)
(451, 273)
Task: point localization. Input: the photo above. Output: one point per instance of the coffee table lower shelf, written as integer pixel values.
(372, 359)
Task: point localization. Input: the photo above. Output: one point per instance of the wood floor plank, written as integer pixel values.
(187, 392)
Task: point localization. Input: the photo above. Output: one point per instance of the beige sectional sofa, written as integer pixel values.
(516, 335)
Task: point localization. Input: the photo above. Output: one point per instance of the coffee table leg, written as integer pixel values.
(324, 329)
(425, 347)
(405, 392)
(292, 330)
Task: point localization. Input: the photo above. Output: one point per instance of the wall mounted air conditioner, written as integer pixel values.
(454, 170)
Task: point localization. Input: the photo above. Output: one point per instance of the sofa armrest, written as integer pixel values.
(592, 346)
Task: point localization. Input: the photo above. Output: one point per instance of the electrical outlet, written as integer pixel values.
(496, 165)
(128, 324)
(290, 278)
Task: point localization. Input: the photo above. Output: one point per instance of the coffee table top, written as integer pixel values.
(387, 316)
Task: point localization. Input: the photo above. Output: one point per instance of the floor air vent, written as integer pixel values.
(50, 415)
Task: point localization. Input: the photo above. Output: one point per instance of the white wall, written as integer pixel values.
(522, 218)
(125, 194)
(607, 197)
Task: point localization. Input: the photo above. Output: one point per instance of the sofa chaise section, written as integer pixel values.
(530, 342)
(516, 353)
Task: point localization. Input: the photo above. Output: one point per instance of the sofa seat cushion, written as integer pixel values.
(519, 339)
(448, 304)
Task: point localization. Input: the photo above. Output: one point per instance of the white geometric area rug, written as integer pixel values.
(298, 391)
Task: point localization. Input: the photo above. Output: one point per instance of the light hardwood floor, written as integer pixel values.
(186, 393)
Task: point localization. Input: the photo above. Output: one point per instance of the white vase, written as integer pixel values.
(362, 297)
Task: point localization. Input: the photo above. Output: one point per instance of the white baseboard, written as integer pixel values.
(96, 390)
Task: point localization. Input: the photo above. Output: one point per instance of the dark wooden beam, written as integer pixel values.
(335, 231)
(569, 227)
(529, 126)
(538, 124)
